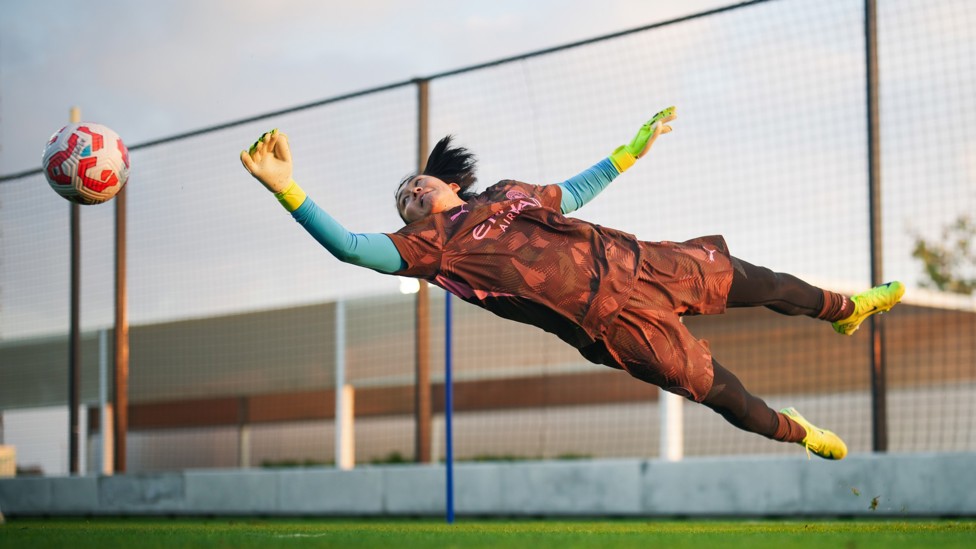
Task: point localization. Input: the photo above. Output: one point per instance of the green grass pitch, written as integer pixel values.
(105, 533)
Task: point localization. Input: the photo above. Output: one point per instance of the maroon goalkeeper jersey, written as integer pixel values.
(511, 251)
(616, 299)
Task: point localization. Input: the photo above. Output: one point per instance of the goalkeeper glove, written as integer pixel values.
(625, 155)
(269, 161)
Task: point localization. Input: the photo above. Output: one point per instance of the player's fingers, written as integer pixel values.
(271, 141)
(663, 122)
(247, 161)
(665, 129)
(662, 115)
(283, 151)
(261, 144)
(256, 145)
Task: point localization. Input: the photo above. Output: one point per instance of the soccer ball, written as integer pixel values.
(86, 163)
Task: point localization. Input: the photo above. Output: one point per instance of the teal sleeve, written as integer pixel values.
(583, 187)
(371, 250)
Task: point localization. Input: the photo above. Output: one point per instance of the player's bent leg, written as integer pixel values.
(877, 300)
(821, 442)
(732, 401)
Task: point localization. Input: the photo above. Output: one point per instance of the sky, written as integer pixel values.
(151, 70)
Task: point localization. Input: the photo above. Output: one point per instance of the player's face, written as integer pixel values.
(424, 195)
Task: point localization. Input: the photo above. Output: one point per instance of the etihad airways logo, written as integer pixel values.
(504, 218)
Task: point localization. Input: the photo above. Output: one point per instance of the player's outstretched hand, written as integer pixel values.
(650, 131)
(269, 161)
(625, 155)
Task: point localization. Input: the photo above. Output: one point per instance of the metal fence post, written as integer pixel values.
(879, 409)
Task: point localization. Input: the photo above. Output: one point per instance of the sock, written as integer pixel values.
(789, 430)
(835, 307)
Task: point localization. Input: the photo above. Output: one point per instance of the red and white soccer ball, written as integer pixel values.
(86, 163)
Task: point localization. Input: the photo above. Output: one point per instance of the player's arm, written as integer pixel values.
(583, 187)
(269, 161)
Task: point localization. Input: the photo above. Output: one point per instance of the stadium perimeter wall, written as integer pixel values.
(911, 485)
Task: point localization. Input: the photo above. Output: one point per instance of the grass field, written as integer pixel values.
(467, 534)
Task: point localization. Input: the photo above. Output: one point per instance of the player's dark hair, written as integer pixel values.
(450, 165)
(453, 165)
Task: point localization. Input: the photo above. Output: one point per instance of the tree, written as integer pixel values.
(949, 264)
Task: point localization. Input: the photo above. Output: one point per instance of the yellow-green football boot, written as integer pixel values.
(877, 300)
(822, 442)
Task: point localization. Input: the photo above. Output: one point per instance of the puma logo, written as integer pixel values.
(463, 210)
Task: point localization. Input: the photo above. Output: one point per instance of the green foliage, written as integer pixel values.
(949, 263)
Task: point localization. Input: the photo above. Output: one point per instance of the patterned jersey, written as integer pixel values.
(510, 250)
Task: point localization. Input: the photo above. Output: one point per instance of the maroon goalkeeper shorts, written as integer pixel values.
(648, 339)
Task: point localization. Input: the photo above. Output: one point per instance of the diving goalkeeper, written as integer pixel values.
(511, 249)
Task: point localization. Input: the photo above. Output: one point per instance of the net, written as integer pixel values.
(233, 308)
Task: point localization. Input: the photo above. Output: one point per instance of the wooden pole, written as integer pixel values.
(121, 371)
(422, 408)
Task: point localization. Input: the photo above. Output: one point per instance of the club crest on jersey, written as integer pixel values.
(503, 219)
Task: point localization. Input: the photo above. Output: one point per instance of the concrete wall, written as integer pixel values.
(866, 485)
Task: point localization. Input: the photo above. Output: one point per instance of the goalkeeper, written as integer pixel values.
(511, 250)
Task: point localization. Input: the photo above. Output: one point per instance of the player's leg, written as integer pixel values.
(754, 286)
(729, 398)
(655, 347)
